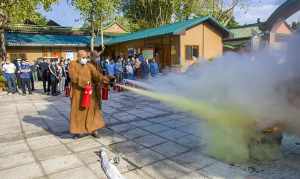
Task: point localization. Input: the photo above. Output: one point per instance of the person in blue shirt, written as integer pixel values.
(119, 70)
(145, 69)
(25, 76)
(110, 69)
(154, 68)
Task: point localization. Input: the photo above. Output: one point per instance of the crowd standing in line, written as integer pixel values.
(133, 68)
(20, 75)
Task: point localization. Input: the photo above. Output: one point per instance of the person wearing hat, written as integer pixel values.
(25, 76)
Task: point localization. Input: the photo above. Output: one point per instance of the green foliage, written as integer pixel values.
(17, 11)
(101, 10)
(95, 13)
(153, 13)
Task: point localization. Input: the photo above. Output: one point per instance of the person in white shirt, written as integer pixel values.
(9, 70)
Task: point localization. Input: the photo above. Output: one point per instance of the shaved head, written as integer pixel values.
(82, 54)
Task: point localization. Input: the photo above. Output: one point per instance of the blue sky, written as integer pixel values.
(64, 14)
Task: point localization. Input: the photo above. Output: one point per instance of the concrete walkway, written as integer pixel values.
(153, 140)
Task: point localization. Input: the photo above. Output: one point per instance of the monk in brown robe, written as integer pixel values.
(85, 120)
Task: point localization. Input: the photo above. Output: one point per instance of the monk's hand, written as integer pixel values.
(106, 80)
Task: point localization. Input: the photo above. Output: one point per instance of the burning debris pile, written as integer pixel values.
(247, 101)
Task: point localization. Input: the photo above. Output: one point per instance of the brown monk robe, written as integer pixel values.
(85, 121)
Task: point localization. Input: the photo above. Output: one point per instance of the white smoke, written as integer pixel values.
(264, 84)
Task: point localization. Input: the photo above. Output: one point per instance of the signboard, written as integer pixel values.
(70, 55)
(148, 53)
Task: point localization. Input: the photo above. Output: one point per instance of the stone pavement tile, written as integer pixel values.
(9, 148)
(109, 137)
(11, 137)
(194, 129)
(124, 116)
(156, 128)
(22, 172)
(169, 149)
(9, 131)
(134, 133)
(126, 147)
(174, 123)
(122, 127)
(191, 141)
(166, 169)
(81, 145)
(61, 164)
(193, 160)
(96, 168)
(10, 125)
(75, 173)
(136, 174)
(150, 140)
(142, 123)
(52, 152)
(222, 170)
(15, 160)
(154, 112)
(173, 134)
(144, 157)
(66, 138)
(89, 156)
(9, 120)
(195, 175)
(42, 141)
(144, 114)
(159, 119)
(110, 120)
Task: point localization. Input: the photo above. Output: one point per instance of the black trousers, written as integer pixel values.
(46, 82)
(26, 85)
(32, 83)
(53, 82)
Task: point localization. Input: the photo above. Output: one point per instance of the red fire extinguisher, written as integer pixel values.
(105, 89)
(67, 91)
(86, 97)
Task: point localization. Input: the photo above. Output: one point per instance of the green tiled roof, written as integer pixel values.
(35, 39)
(235, 44)
(25, 39)
(245, 31)
(170, 29)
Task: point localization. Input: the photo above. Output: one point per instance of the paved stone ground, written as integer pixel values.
(153, 140)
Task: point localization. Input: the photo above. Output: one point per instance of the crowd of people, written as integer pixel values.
(136, 67)
(21, 75)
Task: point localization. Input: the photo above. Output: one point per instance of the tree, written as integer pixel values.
(222, 10)
(17, 11)
(148, 13)
(153, 13)
(96, 13)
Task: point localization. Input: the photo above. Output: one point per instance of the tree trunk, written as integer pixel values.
(2, 41)
(93, 36)
(102, 38)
